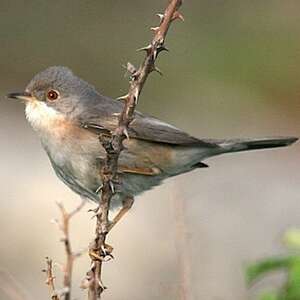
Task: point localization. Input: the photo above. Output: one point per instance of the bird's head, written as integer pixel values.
(54, 94)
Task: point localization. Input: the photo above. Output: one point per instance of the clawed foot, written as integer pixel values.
(107, 249)
(101, 284)
(105, 253)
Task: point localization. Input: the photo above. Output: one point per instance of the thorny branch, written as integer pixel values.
(114, 145)
(64, 224)
(50, 279)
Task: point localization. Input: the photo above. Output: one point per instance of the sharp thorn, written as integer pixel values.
(94, 210)
(161, 16)
(131, 68)
(156, 69)
(123, 97)
(84, 125)
(154, 29)
(136, 96)
(125, 131)
(107, 258)
(99, 189)
(162, 48)
(54, 221)
(146, 48)
(177, 15)
(112, 187)
(103, 249)
(181, 17)
(102, 286)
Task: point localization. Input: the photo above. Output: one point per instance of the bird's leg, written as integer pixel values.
(127, 204)
(106, 249)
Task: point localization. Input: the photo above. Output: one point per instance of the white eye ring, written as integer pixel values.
(52, 95)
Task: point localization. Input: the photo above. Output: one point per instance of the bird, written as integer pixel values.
(69, 114)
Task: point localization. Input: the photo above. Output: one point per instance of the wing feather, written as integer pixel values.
(102, 116)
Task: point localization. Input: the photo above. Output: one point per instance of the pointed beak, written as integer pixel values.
(20, 96)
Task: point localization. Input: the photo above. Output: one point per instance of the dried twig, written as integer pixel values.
(114, 145)
(50, 279)
(70, 256)
(64, 224)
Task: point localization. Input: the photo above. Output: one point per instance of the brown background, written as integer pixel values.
(233, 71)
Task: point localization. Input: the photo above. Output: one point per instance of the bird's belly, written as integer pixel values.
(79, 167)
(77, 156)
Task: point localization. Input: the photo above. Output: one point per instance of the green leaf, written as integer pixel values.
(293, 284)
(255, 270)
(269, 296)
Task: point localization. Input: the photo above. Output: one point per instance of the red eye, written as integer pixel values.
(52, 95)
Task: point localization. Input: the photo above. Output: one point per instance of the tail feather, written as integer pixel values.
(237, 145)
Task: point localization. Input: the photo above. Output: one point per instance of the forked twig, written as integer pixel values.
(63, 225)
(50, 279)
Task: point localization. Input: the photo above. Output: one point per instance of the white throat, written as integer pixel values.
(42, 117)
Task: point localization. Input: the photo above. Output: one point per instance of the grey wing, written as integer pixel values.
(152, 129)
(103, 116)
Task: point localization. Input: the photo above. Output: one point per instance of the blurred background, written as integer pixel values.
(233, 71)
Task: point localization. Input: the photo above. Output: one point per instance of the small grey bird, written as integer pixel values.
(62, 109)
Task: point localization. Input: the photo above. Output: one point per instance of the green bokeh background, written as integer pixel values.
(233, 70)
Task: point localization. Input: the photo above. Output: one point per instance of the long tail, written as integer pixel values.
(237, 145)
(188, 158)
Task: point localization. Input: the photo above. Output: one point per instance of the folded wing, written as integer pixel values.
(103, 117)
